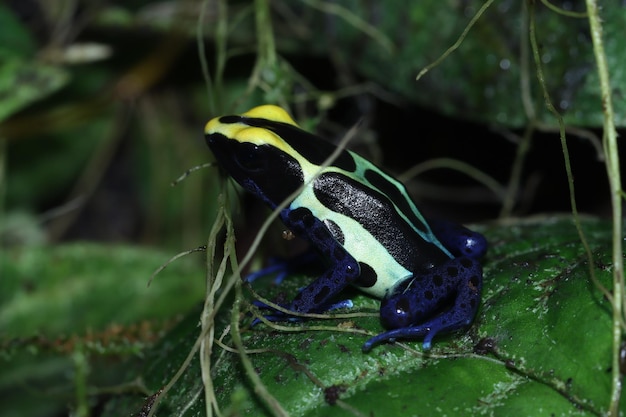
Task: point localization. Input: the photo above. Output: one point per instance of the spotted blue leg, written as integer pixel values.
(440, 300)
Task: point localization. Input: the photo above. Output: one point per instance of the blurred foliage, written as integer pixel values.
(484, 79)
(82, 299)
(102, 108)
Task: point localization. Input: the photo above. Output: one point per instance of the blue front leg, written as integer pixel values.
(318, 296)
(442, 299)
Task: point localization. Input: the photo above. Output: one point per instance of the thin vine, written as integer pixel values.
(609, 140)
(566, 158)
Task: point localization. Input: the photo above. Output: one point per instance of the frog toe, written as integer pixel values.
(426, 331)
(415, 332)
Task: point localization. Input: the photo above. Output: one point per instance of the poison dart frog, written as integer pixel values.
(361, 221)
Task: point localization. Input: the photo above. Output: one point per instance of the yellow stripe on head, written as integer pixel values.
(270, 112)
(242, 132)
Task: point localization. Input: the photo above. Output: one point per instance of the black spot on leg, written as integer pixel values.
(466, 262)
(453, 271)
(321, 295)
(368, 276)
(438, 280)
(308, 221)
(474, 282)
(429, 295)
(301, 215)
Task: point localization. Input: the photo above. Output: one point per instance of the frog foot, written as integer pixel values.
(405, 333)
(426, 331)
(442, 299)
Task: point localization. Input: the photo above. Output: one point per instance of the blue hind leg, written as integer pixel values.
(440, 300)
(458, 239)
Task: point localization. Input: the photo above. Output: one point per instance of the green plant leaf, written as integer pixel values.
(24, 82)
(23, 79)
(61, 304)
(15, 39)
(480, 80)
(69, 289)
(540, 344)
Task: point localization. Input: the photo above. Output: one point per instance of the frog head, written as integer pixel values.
(251, 149)
(266, 152)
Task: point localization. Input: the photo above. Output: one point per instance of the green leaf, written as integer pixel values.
(61, 304)
(70, 289)
(540, 345)
(23, 82)
(68, 155)
(15, 39)
(23, 79)
(481, 79)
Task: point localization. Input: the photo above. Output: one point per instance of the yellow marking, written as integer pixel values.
(241, 132)
(270, 112)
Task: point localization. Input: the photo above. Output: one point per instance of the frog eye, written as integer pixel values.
(248, 157)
